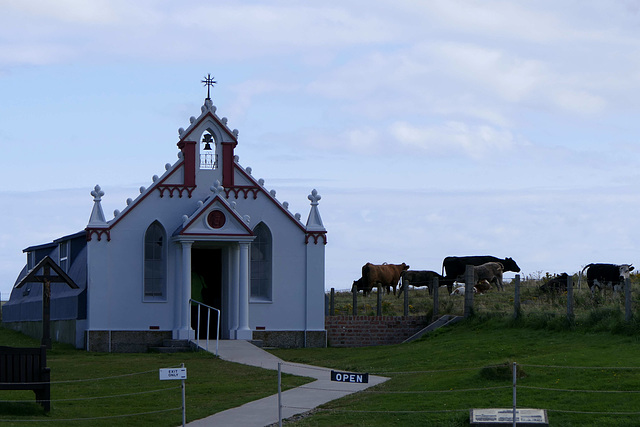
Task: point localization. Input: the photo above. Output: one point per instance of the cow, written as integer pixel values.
(360, 285)
(385, 275)
(454, 267)
(604, 275)
(460, 290)
(482, 286)
(417, 278)
(490, 271)
(556, 284)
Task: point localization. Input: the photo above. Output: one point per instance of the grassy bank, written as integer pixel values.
(81, 380)
(436, 380)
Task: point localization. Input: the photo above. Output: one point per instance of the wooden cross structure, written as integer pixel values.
(58, 275)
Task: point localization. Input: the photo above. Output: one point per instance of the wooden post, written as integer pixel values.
(627, 300)
(516, 297)
(46, 309)
(436, 301)
(570, 316)
(332, 305)
(379, 308)
(469, 281)
(355, 302)
(46, 264)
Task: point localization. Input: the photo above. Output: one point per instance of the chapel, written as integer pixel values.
(205, 233)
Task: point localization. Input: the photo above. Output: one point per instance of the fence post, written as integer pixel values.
(516, 298)
(436, 300)
(332, 306)
(469, 279)
(514, 394)
(355, 302)
(379, 308)
(627, 300)
(405, 287)
(570, 299)
(280, 394)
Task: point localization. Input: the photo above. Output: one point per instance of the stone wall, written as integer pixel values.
(360, 331)
(125, 341)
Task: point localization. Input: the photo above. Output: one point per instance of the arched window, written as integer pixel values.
(261, 258)
(155, 270)
(208, 157)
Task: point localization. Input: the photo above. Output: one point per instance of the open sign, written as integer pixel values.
(349, 377)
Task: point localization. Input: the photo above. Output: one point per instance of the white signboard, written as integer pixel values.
(173, 374)
(495, 417)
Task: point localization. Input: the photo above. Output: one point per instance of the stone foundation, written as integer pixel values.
(360, 331)
(291, 339)
(125, 341)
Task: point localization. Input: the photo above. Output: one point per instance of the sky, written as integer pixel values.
(429, 128)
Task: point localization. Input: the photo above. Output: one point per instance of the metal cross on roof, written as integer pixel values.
(209, 82)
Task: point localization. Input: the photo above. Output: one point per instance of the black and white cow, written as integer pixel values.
(454, 266)
(607, 275)
(418, 278)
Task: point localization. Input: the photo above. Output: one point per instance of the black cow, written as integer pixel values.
(361, 285)
(558, 283)
(601, 275)
(418, 278)
(455, 266)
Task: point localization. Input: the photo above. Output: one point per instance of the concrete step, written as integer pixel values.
(445, 320)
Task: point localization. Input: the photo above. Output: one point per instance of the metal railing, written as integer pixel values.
(199, 329)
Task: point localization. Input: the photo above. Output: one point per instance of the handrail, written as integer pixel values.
(198, 331)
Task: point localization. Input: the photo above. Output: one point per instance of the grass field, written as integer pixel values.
(436, 380)
(564, 367)
(81, 380)
(532, 301)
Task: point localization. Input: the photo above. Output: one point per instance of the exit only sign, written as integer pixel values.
(173, 374)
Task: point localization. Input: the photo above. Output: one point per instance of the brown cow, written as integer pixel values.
(386, 275)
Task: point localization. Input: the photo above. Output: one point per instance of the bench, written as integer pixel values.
(26, 369)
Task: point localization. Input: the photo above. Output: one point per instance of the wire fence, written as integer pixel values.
(163, 394)
(523, 388)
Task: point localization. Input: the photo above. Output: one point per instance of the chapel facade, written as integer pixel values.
(204, 233)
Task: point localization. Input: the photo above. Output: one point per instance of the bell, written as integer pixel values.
(207, 141)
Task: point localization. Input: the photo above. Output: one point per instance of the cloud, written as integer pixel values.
(453, 138)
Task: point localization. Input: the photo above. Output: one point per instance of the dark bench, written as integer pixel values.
(26, 369)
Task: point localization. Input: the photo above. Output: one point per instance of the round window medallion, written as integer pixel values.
(216, 219)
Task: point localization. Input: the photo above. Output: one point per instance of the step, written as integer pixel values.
(176, 343)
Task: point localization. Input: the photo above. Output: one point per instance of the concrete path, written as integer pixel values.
(298, 400)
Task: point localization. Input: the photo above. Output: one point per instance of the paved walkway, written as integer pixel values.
(298, 400)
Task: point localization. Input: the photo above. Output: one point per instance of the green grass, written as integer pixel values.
(431, 375)
(212, 386)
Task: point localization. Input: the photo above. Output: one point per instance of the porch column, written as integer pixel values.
(185, 329)
(233, 291)
(244, 333)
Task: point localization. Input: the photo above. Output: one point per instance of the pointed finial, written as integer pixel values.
(209, 82)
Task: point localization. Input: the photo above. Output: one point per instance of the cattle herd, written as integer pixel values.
(487, 270)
